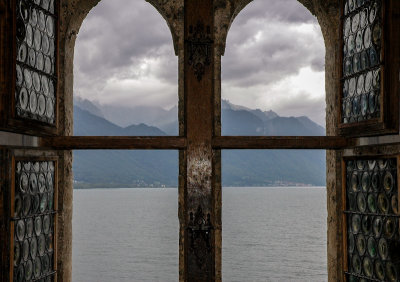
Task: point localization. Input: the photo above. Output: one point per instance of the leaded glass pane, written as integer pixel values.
(362, 60)
(36, 80)
(373, 234)
(33, 218)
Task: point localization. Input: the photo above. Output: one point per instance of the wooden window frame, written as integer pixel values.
(388, 122)
(9, 120)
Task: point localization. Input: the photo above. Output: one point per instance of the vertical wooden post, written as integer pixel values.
(199, 214)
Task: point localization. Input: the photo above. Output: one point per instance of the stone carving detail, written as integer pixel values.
(199, 236)
(199, 48)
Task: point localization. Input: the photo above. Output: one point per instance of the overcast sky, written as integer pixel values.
(274, 58)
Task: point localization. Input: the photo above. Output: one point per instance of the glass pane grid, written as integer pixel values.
(33, 219)
(372, 213)
(362, 60)
(36, 82)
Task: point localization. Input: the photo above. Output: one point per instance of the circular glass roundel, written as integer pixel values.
(347, 27)
(47, 64)
(346, 88)
(356, 264)
(41, 21)
(29, 227)
(33, 185)
(20, 76)
(36, 81)
(391, 272)
(351, 243)
(46, 224)
(25, 249)
(32, 102)
(388, 182)
(383, 249)
(38, 225)
(348, 66)
(390, 227)
(366, 224)
(17, 205)
(23, 99)
(26, 199)
(49, 108)
(360, 84)
(372, 102)
(377, 34)
(41, 105)
(351, 201)
(50, 200)
(356, 62)
(376, 81)
(49, 178)
(24, 10)
(37, 39)
(361, 202)
(356, 223)
(355, 23)
(34, 247)
(41, 245)
(347, 109)
(364, 60)
(45, 85)
(354, 182)
(50, 26)
(32, 58)
(43, 202)
(361, 244)
(371, 246)
(45, 44)
(351, 45)
(39, 61)
(367, 37)
(34, 17)
(37, 267)
(28, 270)
(373, 57)
(356, 105)
(365, 181)
(383, 203)
(364, 18)
(42, 182)
(29, 35)
(372, 14)
(395, 204)
(17, 253)
(45, 263)
(377, 227)
(35, 205)
(364, 104)
(28, 78)
(368, 267)
(359, 41)
(368, 81)
(45, 4)
(22, 53)
(379, 270)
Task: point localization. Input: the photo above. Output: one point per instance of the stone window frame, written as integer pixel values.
(72, 14)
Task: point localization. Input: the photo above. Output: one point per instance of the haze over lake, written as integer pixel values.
(269, 234)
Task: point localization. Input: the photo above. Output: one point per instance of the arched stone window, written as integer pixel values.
(199, 30)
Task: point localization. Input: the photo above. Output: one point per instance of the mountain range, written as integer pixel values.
(119, 168)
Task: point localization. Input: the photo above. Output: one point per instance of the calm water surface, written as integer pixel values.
(269, 234)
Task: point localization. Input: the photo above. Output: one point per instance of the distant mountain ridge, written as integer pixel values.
(160, 168)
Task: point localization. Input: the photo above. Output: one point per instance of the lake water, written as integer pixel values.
(269, 234)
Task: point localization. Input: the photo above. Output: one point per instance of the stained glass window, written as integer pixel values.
(372, 212)
(33, 220)
(36, 80)
(362, 60)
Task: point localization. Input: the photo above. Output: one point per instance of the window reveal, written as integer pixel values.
(36, 80)
(372, 215)
(33, 219)
(362, 60)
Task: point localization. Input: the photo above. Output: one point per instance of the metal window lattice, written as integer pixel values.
(36, 81)
(362, 60)
(33, 219)
(372, 212)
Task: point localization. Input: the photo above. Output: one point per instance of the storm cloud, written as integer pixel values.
(274, 58)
